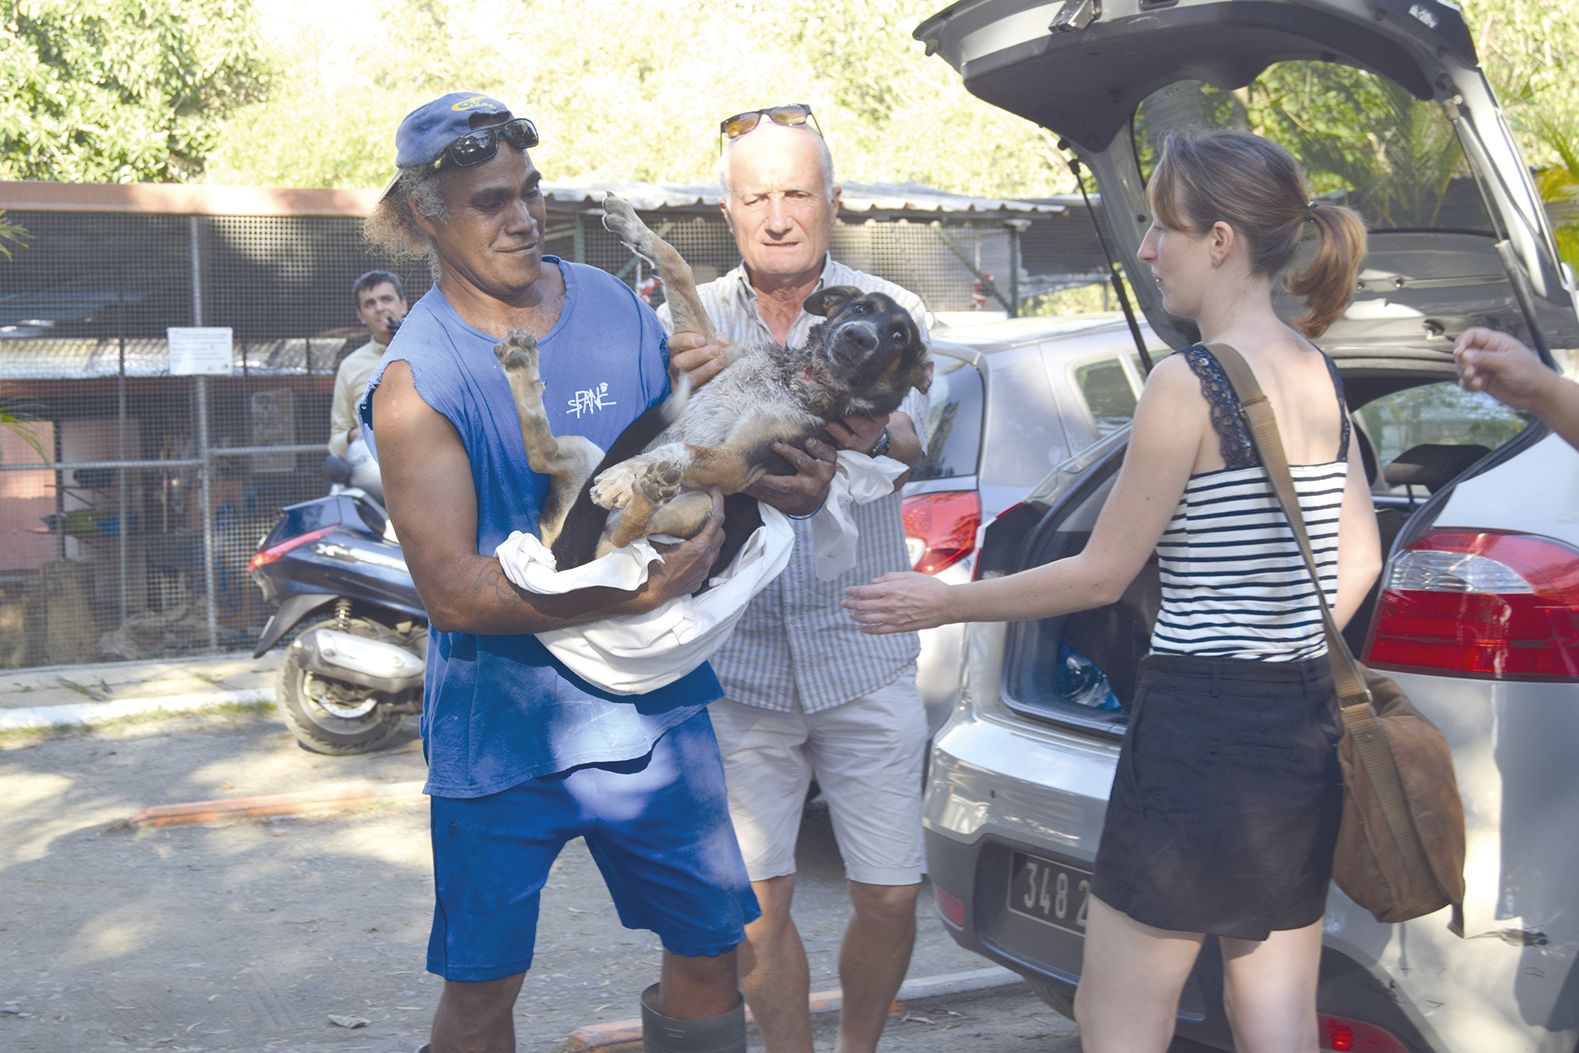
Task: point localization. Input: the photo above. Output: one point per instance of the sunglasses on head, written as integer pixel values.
(475, 148)
(790, 115)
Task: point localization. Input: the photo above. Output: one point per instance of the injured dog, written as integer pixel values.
(655, 479)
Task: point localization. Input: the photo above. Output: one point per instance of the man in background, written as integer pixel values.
(380, 306)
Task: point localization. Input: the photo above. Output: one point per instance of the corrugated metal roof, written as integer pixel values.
(857, 197)
(200, 199)
(86, 358)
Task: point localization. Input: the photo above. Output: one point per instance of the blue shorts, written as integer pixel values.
(657, 826)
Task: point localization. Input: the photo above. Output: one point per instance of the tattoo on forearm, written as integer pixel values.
(493, 585)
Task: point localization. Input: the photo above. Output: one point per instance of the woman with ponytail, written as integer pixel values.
(1224, 808)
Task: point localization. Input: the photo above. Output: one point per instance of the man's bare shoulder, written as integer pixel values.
(396, 399)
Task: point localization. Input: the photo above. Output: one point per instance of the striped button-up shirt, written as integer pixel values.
(796, 648)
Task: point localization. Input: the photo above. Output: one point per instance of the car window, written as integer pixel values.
(953, 439)
(1441, 414)
(1108, 393)
(1363, 141)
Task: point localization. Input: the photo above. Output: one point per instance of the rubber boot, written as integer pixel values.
(724, 1033)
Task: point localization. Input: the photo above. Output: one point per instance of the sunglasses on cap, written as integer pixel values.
(790, 115)
(480, 146)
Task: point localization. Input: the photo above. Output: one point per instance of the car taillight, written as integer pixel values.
(274, 552)
(1342, 1035)
(1483, 603)
(940, 528)
(952, 908)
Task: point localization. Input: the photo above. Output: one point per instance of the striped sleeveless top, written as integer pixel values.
(1233, 582)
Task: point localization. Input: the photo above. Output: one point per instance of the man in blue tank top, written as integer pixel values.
(522, 755)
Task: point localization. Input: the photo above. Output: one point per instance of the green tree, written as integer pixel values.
(1528, 53)
(18, 422)
(1559, 188)
(623, 91)
(1393, 154)
(122, 90)
(627, 93)
(906, 116)
(12, 235)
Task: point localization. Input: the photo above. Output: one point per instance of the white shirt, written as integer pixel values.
(350, 380)
(796, 648)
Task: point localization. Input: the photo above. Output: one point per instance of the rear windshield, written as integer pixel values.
(1363, 141)
(953, 441)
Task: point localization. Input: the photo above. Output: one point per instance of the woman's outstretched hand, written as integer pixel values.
(898, 603)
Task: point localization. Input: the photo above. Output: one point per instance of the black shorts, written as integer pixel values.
(1225, 805)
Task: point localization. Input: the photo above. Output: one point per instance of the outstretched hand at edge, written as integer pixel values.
(899, 603)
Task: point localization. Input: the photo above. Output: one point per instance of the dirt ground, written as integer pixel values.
(272, 934)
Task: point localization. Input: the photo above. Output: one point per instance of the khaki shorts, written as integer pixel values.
(866, 757)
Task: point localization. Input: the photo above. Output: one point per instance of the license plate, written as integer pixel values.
(1049, 892)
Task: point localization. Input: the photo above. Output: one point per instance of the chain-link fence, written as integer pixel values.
(132, 495)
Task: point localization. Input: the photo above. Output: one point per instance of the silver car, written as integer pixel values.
(1477, 610)
(1010, 401)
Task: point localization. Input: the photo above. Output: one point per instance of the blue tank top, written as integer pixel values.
(498, 710)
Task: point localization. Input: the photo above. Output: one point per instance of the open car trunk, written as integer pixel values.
(1381, 100)
(1429, 434)
(1384, 105)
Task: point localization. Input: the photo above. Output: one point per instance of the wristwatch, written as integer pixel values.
(879, 447)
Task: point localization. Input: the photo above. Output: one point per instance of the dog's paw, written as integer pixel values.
(621, 221)
(661, 480)
(614, 487)
(518, 353)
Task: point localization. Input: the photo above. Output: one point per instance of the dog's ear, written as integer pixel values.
(824, 302)
(921, 375)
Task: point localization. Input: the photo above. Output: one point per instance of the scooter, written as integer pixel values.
(353, 673)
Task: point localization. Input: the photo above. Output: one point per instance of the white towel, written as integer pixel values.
(636, 653)
(858, 480)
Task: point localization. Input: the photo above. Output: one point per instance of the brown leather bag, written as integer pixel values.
(1400, 852)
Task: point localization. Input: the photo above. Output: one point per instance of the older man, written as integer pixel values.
(522, 755)
(807, 694)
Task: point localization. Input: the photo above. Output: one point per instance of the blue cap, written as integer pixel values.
(431, 127)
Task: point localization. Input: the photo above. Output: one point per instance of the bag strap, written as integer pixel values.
(1354, 698)
(1257, 411)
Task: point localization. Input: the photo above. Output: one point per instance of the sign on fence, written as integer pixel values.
(199, 349)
